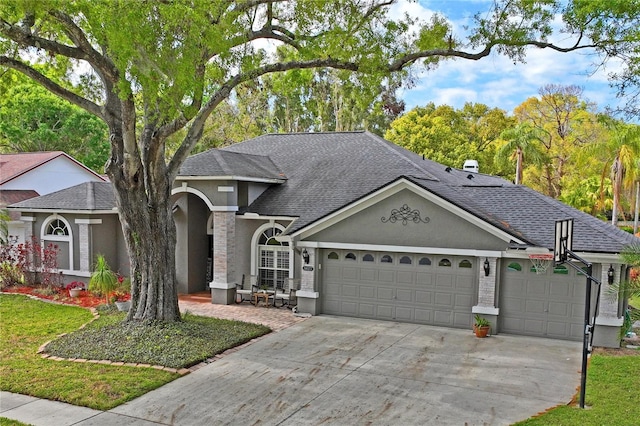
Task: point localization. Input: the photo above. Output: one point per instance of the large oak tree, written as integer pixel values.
(165, 66)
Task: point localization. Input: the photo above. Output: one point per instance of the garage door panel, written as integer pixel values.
(350, 273)
(366, 310)
(558, 308)
(367, 292)
(385, 312)
(399, 291)
(404, 314)
(445, 299)
(534, 327)
(405, 277)
(444, 281)
(425, 297)
(422, 315)
(349, 290)
(348, 308)
(386, 276)
(558, 289)
(368, 275)
(385, 293)
(424, 279)
(536, 289)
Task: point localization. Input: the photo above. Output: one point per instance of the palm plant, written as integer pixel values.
(521, 142)
(629, 289)
(103, 279)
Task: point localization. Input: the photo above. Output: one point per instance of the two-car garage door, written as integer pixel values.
(426, 289)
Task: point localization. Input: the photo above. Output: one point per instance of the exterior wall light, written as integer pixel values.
(305, 256)
(487, 267)
(610, 274)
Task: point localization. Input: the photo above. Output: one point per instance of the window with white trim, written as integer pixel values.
(273, 260)
(56, 232)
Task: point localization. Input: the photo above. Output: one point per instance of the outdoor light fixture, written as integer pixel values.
(305, 256)
(610, 274)
(487, 267)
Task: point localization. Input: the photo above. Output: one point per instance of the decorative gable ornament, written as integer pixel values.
(405, 214)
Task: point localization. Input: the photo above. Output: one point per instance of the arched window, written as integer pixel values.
(368, 258)
(444, 262)
(56, 233)
(273, 257)
(386, 259)
(425, 261)
(405, 260)
(333, 256)
(465, 264)
(350, 256)
(514, 266)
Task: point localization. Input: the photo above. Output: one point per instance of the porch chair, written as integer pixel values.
(242, 294)
(286, 299)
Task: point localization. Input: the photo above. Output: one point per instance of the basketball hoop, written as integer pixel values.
(541, 262)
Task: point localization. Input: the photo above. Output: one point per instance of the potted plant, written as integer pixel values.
(122, 295)
(481, 326)
(103, 279)
(75, 288)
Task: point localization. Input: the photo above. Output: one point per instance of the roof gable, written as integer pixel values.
(15, 165)
(226, 164)
(88, 196)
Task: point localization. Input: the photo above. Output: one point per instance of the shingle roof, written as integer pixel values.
(14, 165)
(85, 196)
(10, 196)
(225, 163)
(327, 171)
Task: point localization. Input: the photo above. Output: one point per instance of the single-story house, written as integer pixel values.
(359, 227)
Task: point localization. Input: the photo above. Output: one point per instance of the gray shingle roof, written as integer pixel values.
(215, 162)
(327, 171)
(85, 196)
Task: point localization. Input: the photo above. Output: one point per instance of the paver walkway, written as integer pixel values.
(275, 318)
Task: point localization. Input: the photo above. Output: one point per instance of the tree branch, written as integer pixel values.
(53, 87)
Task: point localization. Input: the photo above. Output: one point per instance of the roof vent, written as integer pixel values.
(448, 169)
(470, 176)
(471, 166)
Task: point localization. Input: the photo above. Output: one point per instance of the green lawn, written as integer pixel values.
(612, 397)
(28, 323)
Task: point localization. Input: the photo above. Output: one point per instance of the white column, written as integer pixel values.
(608, 308)
(486, 288)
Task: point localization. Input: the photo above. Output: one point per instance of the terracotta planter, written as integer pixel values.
(481, 331)
(74, 292)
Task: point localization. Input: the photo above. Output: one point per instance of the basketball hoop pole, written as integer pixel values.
(587, 338)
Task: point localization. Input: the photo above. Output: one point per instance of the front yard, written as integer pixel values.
(27, 324)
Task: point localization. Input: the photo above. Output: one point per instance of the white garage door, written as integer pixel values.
(426, 289)
(546, 305)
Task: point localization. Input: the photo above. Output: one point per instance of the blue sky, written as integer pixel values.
(496, 81)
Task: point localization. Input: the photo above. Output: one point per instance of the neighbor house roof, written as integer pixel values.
(14, 165)
(11, 196)
(89, 196)
(327, 171)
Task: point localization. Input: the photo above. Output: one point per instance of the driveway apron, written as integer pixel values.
(343, 371)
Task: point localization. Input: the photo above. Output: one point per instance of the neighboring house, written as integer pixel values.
(29, 174)
(360, 227)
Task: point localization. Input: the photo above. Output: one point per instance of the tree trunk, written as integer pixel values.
(519, 165)
(143, 197)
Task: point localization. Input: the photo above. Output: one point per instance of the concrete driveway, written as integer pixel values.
(344, 371)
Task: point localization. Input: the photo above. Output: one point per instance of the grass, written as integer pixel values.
(8, 422)
(27, 324)
(613, 389)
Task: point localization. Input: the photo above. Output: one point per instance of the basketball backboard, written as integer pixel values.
(563, 240)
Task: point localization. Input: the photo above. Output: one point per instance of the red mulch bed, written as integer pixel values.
(85, 300)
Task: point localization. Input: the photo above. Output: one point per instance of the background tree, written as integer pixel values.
(522, 141)
(568, 123)
(451, 136)
(166, 66)
(33, 119)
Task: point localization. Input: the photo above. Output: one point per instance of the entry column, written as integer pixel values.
(308, 297)
(224, 247)
(487, 273)
(608, 321)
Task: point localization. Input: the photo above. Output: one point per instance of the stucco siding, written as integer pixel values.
(433, 226)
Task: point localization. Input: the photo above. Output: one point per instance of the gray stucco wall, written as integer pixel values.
(444, 229)
(211, 190)
(192, 243)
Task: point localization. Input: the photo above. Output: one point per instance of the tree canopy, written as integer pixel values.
(160, 69)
